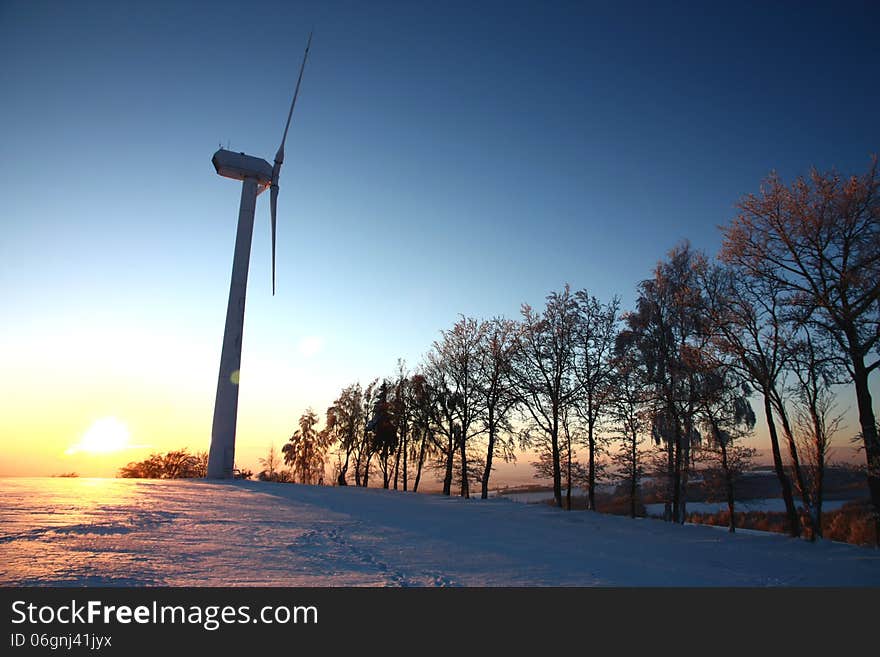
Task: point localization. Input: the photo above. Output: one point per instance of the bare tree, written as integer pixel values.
(400, 408)
(627, 412)
(383, 430)
(344, 426)
(271, 465)
(726, 416)
(442, 402)
(457, 356)
(725, 464)
(544, 370)
(575, 473)
(816, 420)
(597, 331)
(668, 328)
(365, 446)
(747, 321)
(424, 444)
(497, 390)
(820, 240)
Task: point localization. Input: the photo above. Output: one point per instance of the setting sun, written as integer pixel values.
(106, 435)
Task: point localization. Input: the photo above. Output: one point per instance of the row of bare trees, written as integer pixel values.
(789, 310)
(806, 264)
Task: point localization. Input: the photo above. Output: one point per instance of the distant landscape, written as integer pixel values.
(759, 507)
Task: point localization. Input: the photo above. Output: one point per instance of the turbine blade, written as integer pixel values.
(279, 157)
(273, 203)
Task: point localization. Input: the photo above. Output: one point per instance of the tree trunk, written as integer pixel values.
(465, 490)
(450, 455)
(685, 473)
(568, 472)
(634, 473)
(788, 498)
(670, 480)
(818, 476)
(728, 485)
(676, 474)
(386, 471)
(800, 484)
(868, 424)
(490, 452)
(357, 469)
(591, 493)
(422, 450)
(396, 466)
(340, 481)
(819, 489)
(405, 463)
(554, 449)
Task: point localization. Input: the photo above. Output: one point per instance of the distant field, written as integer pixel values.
(772, 505)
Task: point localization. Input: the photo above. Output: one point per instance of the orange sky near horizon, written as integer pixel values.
(161, 384)
(51, 408)
(161, 387)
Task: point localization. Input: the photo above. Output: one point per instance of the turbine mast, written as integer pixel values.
(255, 175)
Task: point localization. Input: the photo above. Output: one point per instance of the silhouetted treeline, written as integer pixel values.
(176, 464)
(790, 309)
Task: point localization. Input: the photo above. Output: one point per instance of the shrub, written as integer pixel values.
(852, 523)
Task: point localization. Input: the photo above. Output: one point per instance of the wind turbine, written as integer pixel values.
(256, 175)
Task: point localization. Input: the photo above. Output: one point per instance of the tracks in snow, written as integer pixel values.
(331, 550)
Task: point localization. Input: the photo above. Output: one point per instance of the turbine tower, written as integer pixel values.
(255, 175)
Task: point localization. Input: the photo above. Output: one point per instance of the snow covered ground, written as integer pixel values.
(129, 532)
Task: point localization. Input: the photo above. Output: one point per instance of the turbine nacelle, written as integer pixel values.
(239, 166)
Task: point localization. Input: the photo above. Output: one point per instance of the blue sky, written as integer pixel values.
(444, 158)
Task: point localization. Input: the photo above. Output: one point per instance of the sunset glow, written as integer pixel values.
(104, 436)
(516, 164)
